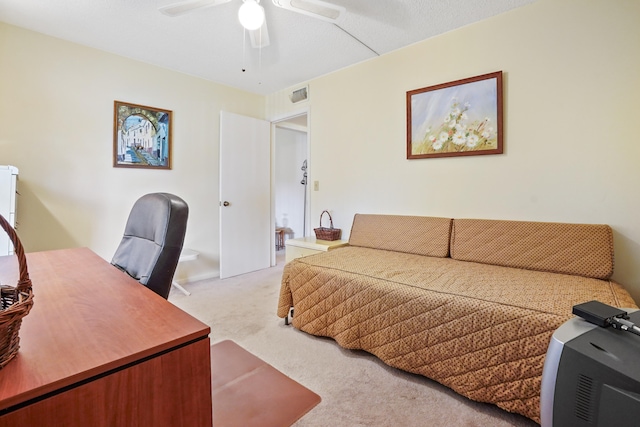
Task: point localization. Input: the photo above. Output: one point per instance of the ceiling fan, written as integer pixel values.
(251, 14)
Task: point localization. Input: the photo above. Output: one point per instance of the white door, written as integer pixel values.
(245, 194)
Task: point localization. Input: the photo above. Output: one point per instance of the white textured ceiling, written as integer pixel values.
(209, 43)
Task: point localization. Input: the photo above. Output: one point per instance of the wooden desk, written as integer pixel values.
(99, 349)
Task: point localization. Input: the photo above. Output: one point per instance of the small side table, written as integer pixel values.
(305, 246)
(185, 255)
(279, 238)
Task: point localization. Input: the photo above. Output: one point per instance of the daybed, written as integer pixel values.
(469, 303)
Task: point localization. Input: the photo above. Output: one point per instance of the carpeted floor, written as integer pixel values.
(357, 389)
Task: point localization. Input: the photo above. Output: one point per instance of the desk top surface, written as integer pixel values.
(87, 319)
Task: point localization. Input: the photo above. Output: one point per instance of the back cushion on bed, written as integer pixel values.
(421, 235)
(578, 249)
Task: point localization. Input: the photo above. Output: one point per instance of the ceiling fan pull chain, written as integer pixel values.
(244, 47)
(260, 59)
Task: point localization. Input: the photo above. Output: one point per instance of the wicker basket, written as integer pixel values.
(330, 233)
(15, 302)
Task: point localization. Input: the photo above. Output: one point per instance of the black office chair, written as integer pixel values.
(152, 241)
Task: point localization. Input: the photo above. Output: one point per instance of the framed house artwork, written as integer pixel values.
(459, 118)
(141, 136)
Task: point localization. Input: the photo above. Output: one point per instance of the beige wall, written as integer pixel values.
(572, 154)
(571, 85)
(56, 126)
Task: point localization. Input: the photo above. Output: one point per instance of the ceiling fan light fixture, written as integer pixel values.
(251, 15)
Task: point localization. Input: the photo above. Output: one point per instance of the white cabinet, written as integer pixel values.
(8, 194)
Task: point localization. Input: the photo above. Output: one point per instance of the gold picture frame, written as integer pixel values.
(141, 136)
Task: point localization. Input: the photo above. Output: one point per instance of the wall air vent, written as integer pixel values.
(299, 95)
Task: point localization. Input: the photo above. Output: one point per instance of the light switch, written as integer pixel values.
(316, 185)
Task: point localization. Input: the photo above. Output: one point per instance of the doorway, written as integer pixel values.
(291, 189)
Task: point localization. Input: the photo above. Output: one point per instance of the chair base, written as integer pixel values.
(180, 288)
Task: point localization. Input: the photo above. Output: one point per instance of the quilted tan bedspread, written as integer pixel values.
(480, 329)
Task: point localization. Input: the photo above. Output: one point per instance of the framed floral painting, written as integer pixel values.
(459, 118)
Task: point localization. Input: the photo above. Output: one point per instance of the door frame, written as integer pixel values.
(274, 123)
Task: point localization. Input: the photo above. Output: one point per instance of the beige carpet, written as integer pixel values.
(357, 389)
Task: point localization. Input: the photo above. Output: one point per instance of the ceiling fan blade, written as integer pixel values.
(180, 8)
(260, 37)
(316, 8)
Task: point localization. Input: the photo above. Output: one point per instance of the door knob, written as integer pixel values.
(225, 203)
